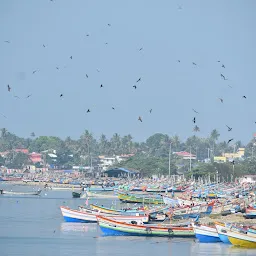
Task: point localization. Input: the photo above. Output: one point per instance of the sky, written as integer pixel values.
(203, 32)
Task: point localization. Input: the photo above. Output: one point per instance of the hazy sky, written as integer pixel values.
(201, 31)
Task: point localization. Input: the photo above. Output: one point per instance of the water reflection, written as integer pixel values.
(78, 227)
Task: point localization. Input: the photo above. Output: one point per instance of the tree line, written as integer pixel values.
(150, 157)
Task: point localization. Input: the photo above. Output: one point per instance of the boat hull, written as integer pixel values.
(206, 234)
(242, 243)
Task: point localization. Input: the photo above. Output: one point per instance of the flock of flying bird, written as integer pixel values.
(195, 129)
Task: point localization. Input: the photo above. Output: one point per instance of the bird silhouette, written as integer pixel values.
(71, 57)
(223, 77)
(218, 61)
(150, 111)
(229, 128)
(43, 45)
(109, 25)
(101, 86)
(88, 111)
(194, 120)
(141, 49)
(195, 111)
(86, 76)
(138, 80)
(244, 97)
(178, 60)
(3, 115)
(7, 42)
(16, 97)
(61, 95)
(230, 140)
(113, 108)
(230, 86)
(180, 7)
(140, 119)
(97, 70)
(9, 88)
(34, 71)
(196, 129)
(87, 35)
(221, 100)
(57, 68)
(194, 63)
(29, 96)
(223, 66)
(135, 87)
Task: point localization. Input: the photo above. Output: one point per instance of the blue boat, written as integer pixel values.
(206, 234)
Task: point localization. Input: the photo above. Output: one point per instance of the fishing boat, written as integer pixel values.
(33, 193)
(145, 199)
(222, 232)
(109, 226)
(86, 215)
(250, 213)
(206, 234)
(242, 237)
(97, 195)
(76, 195)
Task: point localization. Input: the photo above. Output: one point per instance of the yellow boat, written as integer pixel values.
(242, 238)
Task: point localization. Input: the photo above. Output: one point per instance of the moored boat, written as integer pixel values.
(145, 199)
(87, 215)
(76, 194)
(222, 232)
(110, 226)
(206, 234)
(33, 193)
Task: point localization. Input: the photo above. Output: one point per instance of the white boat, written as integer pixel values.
(170, 201)
(97, 195)
(71, 215)
(34, 193)
(206, 234)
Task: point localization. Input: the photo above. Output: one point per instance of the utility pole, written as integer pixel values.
(190, 160)
(170, 149)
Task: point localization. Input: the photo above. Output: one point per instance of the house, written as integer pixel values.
(185, 155)
(35, 157)
(230, 156)
(248, 179)
(118, 172)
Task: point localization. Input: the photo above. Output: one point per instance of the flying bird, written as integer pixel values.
(43, 45)
(194, 63)
(223, 66)
(98, 70)
(86, 76)
(88, 110)
(230, 140)
(7, 42)
(87, 35)
(9, 88)
(178, 60)
(57, 68)
(135, 87)
(138, 80)
(71, 57)
(140, 118)
(101, 86)
(16, 97)
(230, 86)
(113, 108)
(3, 115)
(109, 25)
(34, 71)
(221, 100)
(195, 111)
(29, 96)
(150, 111)
(61, 95)
(244, 97)
(141, 49)
(229, 128)
(194, 120)
(180, 7)
(196, 129)
(218, 61)
(223, 77)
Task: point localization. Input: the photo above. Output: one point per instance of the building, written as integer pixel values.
(120, 172)
(185, 155)
(35, 157)
(230, 156)
(248, 179)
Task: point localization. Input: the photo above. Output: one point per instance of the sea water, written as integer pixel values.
(34, 226)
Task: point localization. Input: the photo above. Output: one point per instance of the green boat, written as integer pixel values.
(76, 194)
(144, 199)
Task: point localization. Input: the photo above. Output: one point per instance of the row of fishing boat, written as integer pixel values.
(137, 222)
